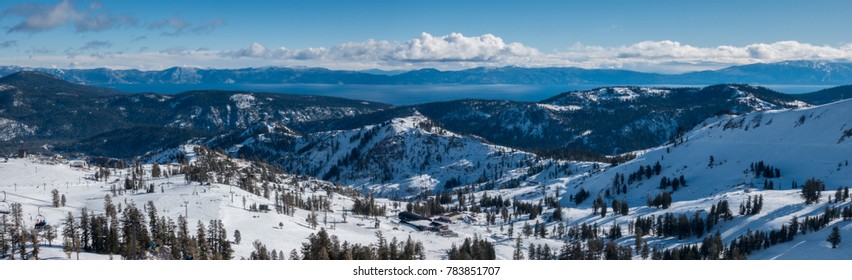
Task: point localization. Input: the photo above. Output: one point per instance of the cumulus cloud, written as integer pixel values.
(457, 51)
(38, 18)
(661, 54)
(457, 47)
(452, 48)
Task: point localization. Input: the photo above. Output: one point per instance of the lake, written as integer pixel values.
(412, 94)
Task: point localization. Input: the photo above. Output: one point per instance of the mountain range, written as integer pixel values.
(673, 163)
(779, 73)
(42, 111)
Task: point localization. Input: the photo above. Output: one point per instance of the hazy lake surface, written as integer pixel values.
(413, 94)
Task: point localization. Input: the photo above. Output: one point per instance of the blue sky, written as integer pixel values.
(660, 36)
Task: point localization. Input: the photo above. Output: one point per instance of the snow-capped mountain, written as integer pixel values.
(608, 120)
(45, 110)
(401, 158)
(785, 72)
(800, 143)
(725, 145)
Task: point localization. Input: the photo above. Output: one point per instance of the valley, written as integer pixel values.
(607, 173)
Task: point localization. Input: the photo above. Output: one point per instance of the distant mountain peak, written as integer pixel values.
(799, 72)
(40, 83)
(28, 75)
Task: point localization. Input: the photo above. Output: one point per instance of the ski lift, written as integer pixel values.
(4, 206)
(41, 222)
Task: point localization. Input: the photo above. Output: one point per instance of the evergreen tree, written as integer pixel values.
(531, 252)
(834, 237)
(70, 235)
(36, 243)
(182, 245)
(225, 249)
(519, 251)
(201, 240)
(812, 190)
(85, 234)
(557, 214)
(16, 231)
(134, 233)
(4, 245)
(54, 194)
(49, 234)
(155, 170)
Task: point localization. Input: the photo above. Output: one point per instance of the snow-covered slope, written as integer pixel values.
(802, 144)
(399, 158)
(30, 182)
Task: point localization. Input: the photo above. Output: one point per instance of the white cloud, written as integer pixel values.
(38, 18)
(454, 51)
(658, 55)
(457, 51)
(454, 48)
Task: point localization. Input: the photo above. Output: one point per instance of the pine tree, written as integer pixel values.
(54, 194)
(201, 240)
(531, 252)
(557, 213)
(70, 236)
(155, 170)
(36, 243)
(812, 190)
(182, 245)
(22, 243)
(294, 255)
(49, 234)
(527, 229)
(4, 245)
(225, 249)
(85, 234)
(834, 237)
(16, 231)
(519, 252)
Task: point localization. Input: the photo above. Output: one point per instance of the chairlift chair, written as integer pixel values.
(4, 206)
(41, 221)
